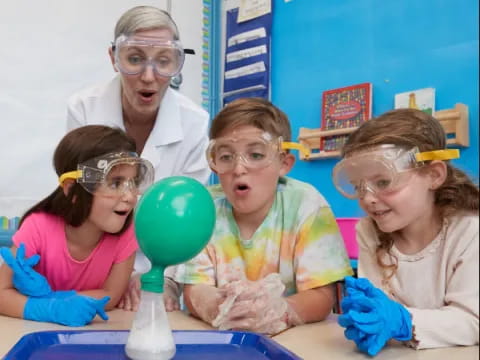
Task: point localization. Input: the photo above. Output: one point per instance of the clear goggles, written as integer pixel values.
(382, 170)
(113, 174)
(133, 55)
(255, 151)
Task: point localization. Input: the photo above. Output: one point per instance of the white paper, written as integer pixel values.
(245, 70)
(245, 89)
(247, 36)
(246, 53)
(251, 9)
(423, 99)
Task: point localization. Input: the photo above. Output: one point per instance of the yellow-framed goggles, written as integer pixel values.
(112, 174)
(382, 169)
(255, 150)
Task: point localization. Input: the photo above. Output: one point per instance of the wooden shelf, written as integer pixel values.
(454, 122)
(324, 155)
(310, 138)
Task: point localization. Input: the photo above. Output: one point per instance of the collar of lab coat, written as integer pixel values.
(168, 127)
(168, 124)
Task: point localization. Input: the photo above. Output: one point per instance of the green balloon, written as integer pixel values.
(174, 220)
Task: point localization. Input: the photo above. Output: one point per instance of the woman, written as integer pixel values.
(169, 129)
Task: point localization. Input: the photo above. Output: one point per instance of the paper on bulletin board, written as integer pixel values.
(251, 9)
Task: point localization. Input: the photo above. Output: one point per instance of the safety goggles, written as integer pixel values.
(382, 170)
(133, 55)
(113, 174)
(255, 151)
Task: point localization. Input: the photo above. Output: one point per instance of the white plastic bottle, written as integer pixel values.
(150, 337)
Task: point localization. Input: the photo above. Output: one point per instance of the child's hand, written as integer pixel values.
(256, 306)
(171, 294)
(371, 318)
(74, 310)
(206, 300)
(25, 279)
(362, 285)
(131, 298)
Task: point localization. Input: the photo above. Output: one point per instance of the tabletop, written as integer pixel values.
(322, 340)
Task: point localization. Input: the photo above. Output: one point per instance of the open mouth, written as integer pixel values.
(121, 213)
(147, 95)
(241, 188)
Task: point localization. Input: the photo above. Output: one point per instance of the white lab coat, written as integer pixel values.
(179, 138)
(176, 145)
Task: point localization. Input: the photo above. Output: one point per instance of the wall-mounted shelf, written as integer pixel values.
(310, 138)
(454, 122)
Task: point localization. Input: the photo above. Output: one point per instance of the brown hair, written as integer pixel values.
(257, 112)
(409, 128)
(78, 146)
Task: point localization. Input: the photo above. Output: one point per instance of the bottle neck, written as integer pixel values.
(153, 280)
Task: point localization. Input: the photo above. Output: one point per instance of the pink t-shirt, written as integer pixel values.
(44, 234)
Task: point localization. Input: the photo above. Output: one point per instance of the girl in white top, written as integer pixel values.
(419, 244)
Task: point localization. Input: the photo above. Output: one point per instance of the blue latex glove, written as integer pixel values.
(356, 301)
(375, 317)
(362, 340)
(62, 294)
(73, 310)
(362, 285)
(25, 279)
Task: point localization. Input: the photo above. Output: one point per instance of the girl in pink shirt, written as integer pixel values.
(80, 238)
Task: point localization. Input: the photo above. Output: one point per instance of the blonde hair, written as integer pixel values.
(144, 18)
(409, 128)
(257, 112)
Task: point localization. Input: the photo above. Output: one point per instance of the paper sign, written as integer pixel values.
(251, 9)
(246, 53)
(247, 36)
(245, 70)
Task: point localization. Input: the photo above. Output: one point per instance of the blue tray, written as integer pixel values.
(109, 345)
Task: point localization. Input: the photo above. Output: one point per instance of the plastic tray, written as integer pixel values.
(109, 345)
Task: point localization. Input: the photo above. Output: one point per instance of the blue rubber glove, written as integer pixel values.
(73, 310)
(362, 340)
(362, 285)
(62, 294)
(356, 301)
(376, 317)
(378, 306)
(25, 279)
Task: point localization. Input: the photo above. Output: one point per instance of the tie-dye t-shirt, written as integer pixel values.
(299, 239)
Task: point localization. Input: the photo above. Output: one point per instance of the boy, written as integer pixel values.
(272, 233)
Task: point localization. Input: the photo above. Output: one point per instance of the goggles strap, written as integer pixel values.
(296, 146)
(70, 175)
(447, 154)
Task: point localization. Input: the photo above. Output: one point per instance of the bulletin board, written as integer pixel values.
(247, 57)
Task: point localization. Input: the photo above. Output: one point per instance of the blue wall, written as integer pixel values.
(396, 45)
